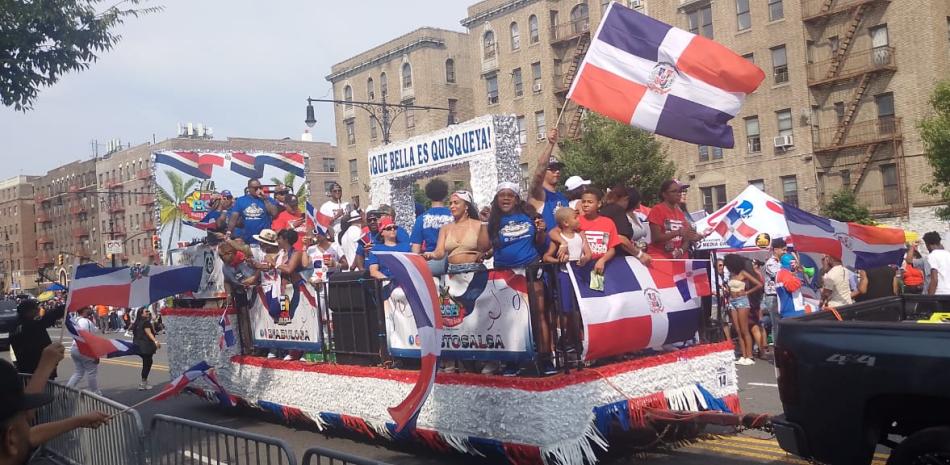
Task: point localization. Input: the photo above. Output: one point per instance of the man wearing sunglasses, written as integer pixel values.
(253, 213)
(544, 195)
(334, 209)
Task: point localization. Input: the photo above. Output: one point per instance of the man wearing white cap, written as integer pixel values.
(575, 187)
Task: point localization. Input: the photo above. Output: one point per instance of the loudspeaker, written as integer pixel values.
(353, 299)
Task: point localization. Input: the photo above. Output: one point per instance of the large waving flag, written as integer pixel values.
(647, 306)
(199, 370)
(651, 75)
(411, 273)
(94, 346)
(129, 287)
(858, 246)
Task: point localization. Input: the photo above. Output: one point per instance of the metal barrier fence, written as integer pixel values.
(324, 456)
(179, 441)
(119, 442)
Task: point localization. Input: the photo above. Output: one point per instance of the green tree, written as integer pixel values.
(41, 40)
(844, 206)
(609, 153)
(301, 192)
(170, 213)
(935, 132)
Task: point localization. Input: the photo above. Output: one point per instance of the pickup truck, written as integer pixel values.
(876, 376)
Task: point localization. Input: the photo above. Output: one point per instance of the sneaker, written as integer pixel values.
(449, 369)
(144, 386)
(303, 358)
(511, 370)
(288, 358)
(271, 355)
(745, 361)
(547, 368)
(490, 368)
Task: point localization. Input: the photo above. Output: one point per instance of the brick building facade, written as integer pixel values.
(17, 234)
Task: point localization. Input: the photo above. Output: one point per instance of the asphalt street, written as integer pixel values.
(118, 379)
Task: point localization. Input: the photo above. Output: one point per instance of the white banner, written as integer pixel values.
(758, 211)
(459, 142)
(286, 317)
(485, 316)
(212, 277)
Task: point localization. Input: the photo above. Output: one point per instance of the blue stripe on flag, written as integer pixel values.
(682, 326)
(692, 122)
(402, 278)
(262, 160)
(90, 270)
(734, 242)
(618, 278)
(175, 281)
(178, 164)
(634, 33)
(868, 260)
(246, 172)
(796, 215)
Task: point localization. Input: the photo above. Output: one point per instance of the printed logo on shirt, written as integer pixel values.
(435, 221)
(253, 212)
(514, 230)
(597, 240)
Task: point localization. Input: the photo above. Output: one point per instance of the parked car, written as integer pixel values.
(8, 319)
(878, 376)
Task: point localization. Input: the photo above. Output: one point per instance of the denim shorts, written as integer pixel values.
(735, 303)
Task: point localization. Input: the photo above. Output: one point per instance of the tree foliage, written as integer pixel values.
(40, 40)
(935, 132)
(844, 206)
(609, 153)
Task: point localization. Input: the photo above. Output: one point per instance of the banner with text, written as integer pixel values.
(285, 315)
(212, 276)
(445, 147)
(485, 316)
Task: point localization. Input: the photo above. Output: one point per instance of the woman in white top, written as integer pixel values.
(352, 231)
(86, 367)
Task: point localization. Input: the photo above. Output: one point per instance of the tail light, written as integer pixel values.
(787, 376)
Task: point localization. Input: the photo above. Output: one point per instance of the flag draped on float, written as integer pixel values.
(411, 273)
(199, 370)
(858, 246)
(94, 346)
(129, 287)
(227, 331)
(650, 306)
(656, 77)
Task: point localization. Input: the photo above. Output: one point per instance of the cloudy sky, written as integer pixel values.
(243, 67)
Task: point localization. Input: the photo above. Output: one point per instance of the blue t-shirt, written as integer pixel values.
(426, 229)
(382, 247)
(401, 237)
(552, 201)
(515, 244)
(256, 218)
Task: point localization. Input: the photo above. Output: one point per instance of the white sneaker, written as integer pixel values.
(303, 358)
(490, 368)
(288, 358)
(744, 361)
(271, 355)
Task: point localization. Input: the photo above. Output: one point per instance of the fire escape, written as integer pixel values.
(573, 38)
(850, 146)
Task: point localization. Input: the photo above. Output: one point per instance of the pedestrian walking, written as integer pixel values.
(939, 260)
(143, 336)
(86, 367)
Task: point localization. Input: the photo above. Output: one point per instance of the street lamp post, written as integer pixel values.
(383, 113)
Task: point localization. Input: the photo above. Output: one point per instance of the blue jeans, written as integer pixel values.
(770, 304)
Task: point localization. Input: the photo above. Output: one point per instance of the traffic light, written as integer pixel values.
(156, 242)
(59, 259)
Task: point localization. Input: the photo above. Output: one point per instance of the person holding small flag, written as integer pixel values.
(86, 367)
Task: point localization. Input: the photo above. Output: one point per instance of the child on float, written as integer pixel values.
(568, 244)
(600, 231)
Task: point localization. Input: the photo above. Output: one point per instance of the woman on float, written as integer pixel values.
(351, 231)
(638, 221)
(290, 265)
(460, 239)
(514, 238)
(390, 243)
(616, 206)
(670, 230)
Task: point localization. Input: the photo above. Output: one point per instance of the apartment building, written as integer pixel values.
(17, 235)
(426, 67)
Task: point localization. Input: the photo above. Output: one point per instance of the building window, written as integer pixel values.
(580, 19)
(409, 115)
(406, 76)
(714, 197)
(540, 124)
(839, 112)
(348, 96)
(891, 190)
(750, 57)
(536, 76)
(845, 179)
(752, 135)
(372, 128)
(522, 132)
(450, 71)
(329, 165)
(603, 5)
(834, 43)
(453, 111)
(328, 186)
(790, 190)
(383, 85)
(784, 118)
(350, 133)
(515, 37)
(491, 87)
(517, 82)
(776, 10)
(743, 16)
(758, 183)
(708, 152)
(534, 35)
(700, 21)
(354, 171)
(488, 45)
(779, 64)
(885, 112)
(525, 177)
(370, 89)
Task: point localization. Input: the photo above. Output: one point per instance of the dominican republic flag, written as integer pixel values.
(94, 346)
(129, 287)
(411, 273)
(227, 331)
(640, 307)
(656, 77)
(191, 163)
(733, 228)
(243, 164)
(252, 165)
(199, 370)
(859, 247)
(312, 219)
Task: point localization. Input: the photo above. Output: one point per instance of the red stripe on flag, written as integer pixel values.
(823, 245)
(410, 406)
(606, 93)
(718, 66)
(518, 282)
(665, 272)
(745, 230)
(114, 295)
(618, 336)
(876, 235)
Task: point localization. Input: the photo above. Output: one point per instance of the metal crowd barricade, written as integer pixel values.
(118, 442)
(323, 456)
(179, 441)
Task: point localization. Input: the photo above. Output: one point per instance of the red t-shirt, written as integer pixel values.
(601, 234)
(668, 219)
(283, 221)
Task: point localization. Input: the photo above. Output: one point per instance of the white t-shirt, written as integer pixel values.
(836, 280)
(334, 250)
(329, 208)
(84, 324)
(349, 242)
(940, 260)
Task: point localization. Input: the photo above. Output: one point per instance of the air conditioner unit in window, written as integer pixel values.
(537, 87)
(636, 3)
(783, 141)
(523, 138)
(541, 136)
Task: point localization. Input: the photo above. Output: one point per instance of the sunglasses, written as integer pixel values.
(554, 168)
(389, 228)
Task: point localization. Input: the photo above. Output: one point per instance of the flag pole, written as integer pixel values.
(62, 323)
(557, 123)
(137, 404)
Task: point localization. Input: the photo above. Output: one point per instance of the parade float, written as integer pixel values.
(609, 389)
